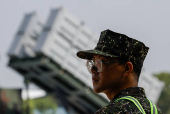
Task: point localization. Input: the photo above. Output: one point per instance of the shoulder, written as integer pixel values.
(119, 107)
(109, 110)
(124, 106)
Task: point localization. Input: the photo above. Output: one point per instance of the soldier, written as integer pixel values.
(115, 65)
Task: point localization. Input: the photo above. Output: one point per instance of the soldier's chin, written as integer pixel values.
(96, 90)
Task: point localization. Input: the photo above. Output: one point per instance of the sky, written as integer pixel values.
(146, 21)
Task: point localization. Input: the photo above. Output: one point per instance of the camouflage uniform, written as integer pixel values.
(114, 44)
(126, 106)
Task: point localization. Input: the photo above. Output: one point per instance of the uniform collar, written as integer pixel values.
(132, 91)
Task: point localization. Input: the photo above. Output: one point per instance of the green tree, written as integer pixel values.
(45, 105)
(164, 100)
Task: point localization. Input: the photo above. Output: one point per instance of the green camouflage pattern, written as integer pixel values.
(114, 44)
(125, 106)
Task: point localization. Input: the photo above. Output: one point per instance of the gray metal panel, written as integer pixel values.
(14, 45)
(51, 18)
(47, 28)
(25, 22)
(40, 42)
(20, 33)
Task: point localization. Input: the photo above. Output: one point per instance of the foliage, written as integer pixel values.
(45, 105)
(164, 99)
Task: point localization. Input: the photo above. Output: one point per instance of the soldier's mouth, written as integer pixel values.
(95, 80)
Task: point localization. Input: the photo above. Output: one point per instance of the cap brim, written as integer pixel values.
(88, 54)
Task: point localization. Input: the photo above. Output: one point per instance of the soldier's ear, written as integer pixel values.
(128, 68)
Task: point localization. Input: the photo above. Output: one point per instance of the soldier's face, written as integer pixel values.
(110, 79)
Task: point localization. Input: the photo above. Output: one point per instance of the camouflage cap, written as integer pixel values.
(114, 44)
